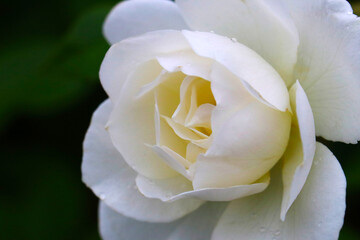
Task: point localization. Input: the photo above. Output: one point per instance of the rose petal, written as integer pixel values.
(244, 63)
(193, 151)
(135, 17)
(113, 181)
(165, 136)
(230, 95)
(187, 62)
(200, 224)
(300, 152)
(197, 225)
(132, 125)
(163, 77)
(173, 160)
(182, 131)
(202, 116)
(193, 93)
(114, 226)
(317, 213)
(328, 65)
(169, 190)
(246, 147)
(125, 57)
(264, 26)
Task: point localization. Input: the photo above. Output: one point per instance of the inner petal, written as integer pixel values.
(168, 93)
(183, 109)
(182, 131)
(196, 105)
(165, 136)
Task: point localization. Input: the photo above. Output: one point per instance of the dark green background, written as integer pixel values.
(50, 53)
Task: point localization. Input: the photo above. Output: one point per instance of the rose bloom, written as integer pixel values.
(210, 128)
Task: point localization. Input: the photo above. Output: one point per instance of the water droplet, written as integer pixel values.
(212, 31)
(277, 233)
(262, 229)
(234, 39)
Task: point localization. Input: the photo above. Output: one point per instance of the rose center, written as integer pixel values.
(183, 109)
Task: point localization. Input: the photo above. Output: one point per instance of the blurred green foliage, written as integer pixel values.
(50, 54)
(46, 74)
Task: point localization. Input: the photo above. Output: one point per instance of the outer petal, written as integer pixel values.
(135, 17)
(317, 213)
(244, 63)
(111, 179)
(178, 188)
(187, 62)
(198, 225)
(245, 148)
(328, 65)
(230, 95)
(263, 25)
(124, 57)
(114, 226)
(300, 152)
(132, 125)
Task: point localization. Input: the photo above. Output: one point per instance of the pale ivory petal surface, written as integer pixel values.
(300, 152)
(263, 25)
(317, 213)
(230, 95)
(328, 65)
(247, 145)
(244, 63)
(134, 17)
(124, 57)
(112, 180)
(173, 160)
(200, 224)
(114, 226)
(132, 125)
(187, 62)
(176, 188)
(195, 226)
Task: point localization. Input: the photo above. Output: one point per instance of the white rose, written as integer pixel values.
(209, 133)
